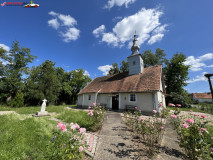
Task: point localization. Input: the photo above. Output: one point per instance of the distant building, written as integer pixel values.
(140, 87)
(202, 97)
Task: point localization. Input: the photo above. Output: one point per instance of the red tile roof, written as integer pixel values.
(202, 95)
(147, 81)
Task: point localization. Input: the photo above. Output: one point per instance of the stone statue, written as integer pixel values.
(43, 111)
(43, 106)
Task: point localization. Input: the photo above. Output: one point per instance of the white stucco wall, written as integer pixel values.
(144, 101)
(203, 100)
(84, 99)
(105, 99)
(80, 100)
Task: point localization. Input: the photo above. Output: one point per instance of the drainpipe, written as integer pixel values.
(97, 95)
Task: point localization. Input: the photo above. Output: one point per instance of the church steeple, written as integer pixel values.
(135, 60)
(135, 48)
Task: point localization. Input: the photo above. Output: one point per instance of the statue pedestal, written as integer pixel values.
(41, 114)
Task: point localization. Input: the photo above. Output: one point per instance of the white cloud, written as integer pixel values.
(117, 18)
(198, 78)
(196, 64)
(98, 31)
(65, 24)
(112, 3)
(70, 34)
(146, 23)
(53, 23)
(67, 20)
(105, 69)
(52, 13)
(5, 47)
(155, 38)
(110, 38)
(210, 66)
(86, 73)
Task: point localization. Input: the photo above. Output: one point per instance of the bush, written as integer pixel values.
(151, 130)
(18, 101)
(177, 98)
(67, 143)
(194, 138)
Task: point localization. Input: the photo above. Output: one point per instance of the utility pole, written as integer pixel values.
(210, 84)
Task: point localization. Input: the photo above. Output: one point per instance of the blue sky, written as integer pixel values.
(94, 34)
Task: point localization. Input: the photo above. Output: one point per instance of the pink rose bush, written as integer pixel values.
(174, 116)
(194, 138)
(67, 142)
(96, 114)
(150, 129)
(171, 105)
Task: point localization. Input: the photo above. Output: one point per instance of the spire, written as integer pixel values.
(135, 48)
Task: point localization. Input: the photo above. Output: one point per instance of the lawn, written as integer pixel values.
(33, 110)
(25, 137)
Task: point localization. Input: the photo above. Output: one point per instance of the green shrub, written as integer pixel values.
(193, 136)
(177, 98)
(18, 101)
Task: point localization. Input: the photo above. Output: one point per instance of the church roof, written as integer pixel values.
(147, 81)
(202, 95)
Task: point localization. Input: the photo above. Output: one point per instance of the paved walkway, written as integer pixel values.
(115, 141)
(170, 149)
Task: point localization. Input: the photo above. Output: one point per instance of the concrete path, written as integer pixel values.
(170, 149)
(115, 141)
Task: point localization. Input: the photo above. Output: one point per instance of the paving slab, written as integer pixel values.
(115, 141)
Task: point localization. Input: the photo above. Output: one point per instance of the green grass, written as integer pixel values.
(79, 117)
(24, 139)
(210, 129)
(33, 110)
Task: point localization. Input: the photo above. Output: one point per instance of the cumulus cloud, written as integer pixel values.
(146, 23)
(198, 78)
(53, 23)
(112, 3)
(197, 64)
(65, 24)
(5, 47)
(105, 69)
(86, 73)
(70, 34)
(98, 31)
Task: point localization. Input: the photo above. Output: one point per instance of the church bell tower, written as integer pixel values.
(135, 60)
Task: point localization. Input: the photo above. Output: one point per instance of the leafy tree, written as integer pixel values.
(124, 66)
(151, 59)
(43, 83)
(12, 79)
(176, 74)
(78, 82)
(66, 86)
(18, 101)
(114, 69)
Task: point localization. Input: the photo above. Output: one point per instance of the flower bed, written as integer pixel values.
(193, 136)
(149, 129)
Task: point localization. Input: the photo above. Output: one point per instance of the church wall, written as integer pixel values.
(144, 101)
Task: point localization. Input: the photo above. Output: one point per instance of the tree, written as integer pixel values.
(114, 69)
(124, 66)
(176, 74)
(151, 59)
(43, 83)
(78, 82)
(65, 93)
(12, 79)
